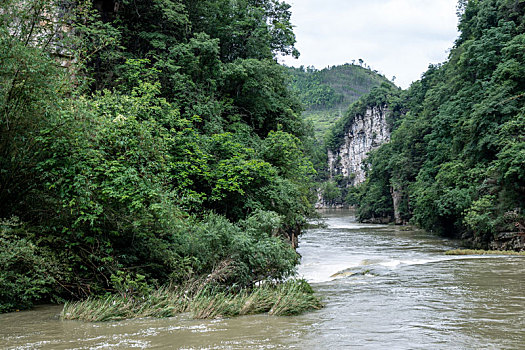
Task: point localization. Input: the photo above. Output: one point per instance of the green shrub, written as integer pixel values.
(140, 166)
(26, 271)
(129, 284)
(480, 217)
(237, 255)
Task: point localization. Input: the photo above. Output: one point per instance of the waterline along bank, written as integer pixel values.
(292, 297)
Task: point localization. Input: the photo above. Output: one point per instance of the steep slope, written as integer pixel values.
(456, 161)
(326, 94)
(366, 125)
(169, 151)
(367, 131)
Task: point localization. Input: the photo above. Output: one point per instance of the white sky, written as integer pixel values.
(395, 37)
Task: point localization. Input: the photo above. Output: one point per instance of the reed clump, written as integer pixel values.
(482, 252)
(279, 299)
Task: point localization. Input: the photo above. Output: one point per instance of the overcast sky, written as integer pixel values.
(395, 37)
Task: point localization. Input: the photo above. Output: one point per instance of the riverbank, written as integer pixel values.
(482, 252)
(283, 299)
(413, 295)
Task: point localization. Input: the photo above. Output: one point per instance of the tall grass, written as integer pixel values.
(289, 298)
(482, 252)
(163, 302)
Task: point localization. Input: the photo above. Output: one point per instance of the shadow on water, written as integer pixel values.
(385, 287)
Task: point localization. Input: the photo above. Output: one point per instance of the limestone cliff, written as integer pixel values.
(366, 132)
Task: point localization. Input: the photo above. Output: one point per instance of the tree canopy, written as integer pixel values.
(147, 141)
(457, 155)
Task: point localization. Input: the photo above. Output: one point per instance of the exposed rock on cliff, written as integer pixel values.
(367, 132)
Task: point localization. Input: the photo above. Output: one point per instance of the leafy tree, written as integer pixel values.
(456, 154)
(141, 145)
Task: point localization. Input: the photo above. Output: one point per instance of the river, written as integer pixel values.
(385, 287)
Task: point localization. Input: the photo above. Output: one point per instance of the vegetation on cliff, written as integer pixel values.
(336, 188)
(147, 142)
(326, 94)
(456, 160)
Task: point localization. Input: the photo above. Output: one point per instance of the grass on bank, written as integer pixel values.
(482, 252)
(289, 298)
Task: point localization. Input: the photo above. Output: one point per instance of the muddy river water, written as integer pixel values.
(384, 287)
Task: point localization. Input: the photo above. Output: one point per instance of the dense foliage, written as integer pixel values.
(387, 94)
(326, 94)
(337, 189)
(457, 157)
(149, 142)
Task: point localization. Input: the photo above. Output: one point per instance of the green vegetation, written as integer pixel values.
(338, 190)
(288, 298)
(386, 94)
(482, 252)
(26, 271)
(147, 144)
(326, 94)
(457, 155)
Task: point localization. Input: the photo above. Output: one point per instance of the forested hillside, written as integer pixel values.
(146, 143)
(456, 160)
(366, 125)
(326, 94)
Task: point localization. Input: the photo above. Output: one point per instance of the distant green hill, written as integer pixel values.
(326, 94)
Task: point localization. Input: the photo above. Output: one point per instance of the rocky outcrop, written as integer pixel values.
(397, 197)
(509, 241)
(366, 132)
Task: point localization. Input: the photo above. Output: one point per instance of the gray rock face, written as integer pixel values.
(397, 196)
(366, 133)
(509, 241)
